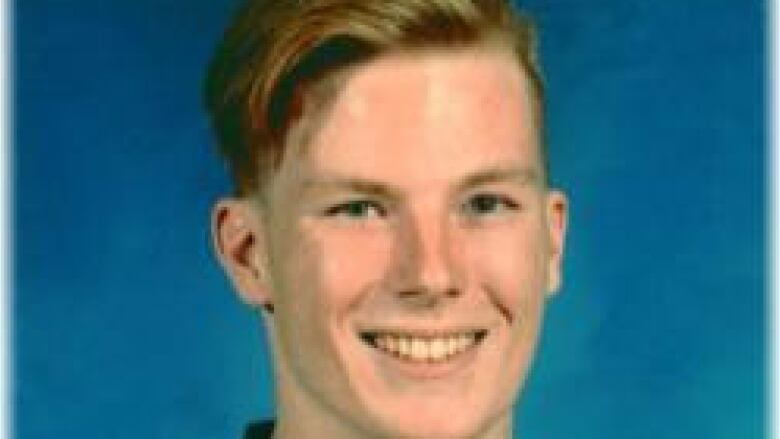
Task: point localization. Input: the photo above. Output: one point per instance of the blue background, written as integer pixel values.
(124, 326)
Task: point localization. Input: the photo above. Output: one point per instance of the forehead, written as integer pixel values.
(487, 74)
(421, 115)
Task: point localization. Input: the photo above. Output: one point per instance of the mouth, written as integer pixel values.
(424, 348)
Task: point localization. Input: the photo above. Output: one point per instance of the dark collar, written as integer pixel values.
(259, 430)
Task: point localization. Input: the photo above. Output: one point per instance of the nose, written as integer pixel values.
(429, 260)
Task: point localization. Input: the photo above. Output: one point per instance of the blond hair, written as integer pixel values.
(276, 49)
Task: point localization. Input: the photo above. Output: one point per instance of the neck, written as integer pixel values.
(300, 416)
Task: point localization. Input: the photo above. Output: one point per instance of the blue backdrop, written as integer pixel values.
(124, 326)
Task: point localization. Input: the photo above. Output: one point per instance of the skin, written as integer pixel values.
(418, 205)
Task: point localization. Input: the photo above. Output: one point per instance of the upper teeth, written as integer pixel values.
(418, 348)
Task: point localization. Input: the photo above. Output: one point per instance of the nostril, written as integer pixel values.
(410, 293)
(427, 296)
(452, 292)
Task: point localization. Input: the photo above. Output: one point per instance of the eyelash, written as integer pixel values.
(499, 204)
(344, 209)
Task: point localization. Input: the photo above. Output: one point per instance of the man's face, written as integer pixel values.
(409, 248)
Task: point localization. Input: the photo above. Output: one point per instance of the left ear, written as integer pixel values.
(557, 213)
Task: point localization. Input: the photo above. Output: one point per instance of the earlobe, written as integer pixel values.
(557, 223)
(237, 235)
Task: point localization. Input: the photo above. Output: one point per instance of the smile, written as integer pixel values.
(423, 348)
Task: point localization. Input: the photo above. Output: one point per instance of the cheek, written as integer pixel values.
(322, 274)
(338, 264)
(509, 262)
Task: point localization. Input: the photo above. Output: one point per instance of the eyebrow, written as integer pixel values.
(353, 184)
(524, 176)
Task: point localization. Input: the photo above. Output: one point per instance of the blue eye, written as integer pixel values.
(356, 210)
(489, 204)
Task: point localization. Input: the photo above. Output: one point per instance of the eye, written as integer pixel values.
(356, 209)
(489, 204)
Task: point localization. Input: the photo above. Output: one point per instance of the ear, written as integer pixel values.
(557, 221)
(238, 239)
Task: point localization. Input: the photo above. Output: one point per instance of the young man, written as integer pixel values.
(392, 215)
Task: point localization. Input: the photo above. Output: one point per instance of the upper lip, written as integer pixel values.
(426, 329)
(422, 331)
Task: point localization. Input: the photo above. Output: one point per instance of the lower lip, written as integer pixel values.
(429, 370)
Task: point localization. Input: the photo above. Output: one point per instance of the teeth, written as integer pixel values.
(391, 344)
(452, 344)
(437, 349)
(404, 346)
(422, 349)
(419, 348)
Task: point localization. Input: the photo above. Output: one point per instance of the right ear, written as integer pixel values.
(238, 238)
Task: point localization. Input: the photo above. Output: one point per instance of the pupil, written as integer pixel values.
(483, 203)
(355, 209)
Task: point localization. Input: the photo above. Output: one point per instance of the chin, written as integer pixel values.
(438, 421)
(467, 395)
(440, 429)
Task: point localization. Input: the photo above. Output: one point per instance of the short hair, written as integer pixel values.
(275, 50)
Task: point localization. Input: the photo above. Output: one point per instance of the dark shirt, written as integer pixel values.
(259, 430)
